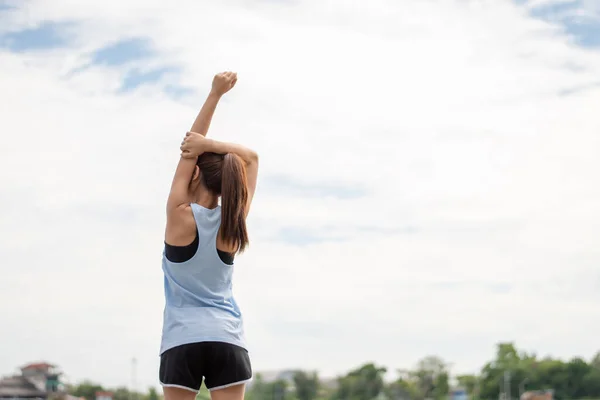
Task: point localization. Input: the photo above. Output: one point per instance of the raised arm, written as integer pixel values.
(221, 84)
(195, 144)
(179, 195)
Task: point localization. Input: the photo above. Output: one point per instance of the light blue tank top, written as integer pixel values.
(199, 303)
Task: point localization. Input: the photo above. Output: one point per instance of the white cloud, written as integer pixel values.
(447, 114)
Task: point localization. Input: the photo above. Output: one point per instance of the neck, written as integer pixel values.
(205, 198)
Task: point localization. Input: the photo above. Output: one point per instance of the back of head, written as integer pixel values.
(225, 175)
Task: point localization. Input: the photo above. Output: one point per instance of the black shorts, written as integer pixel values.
(220, 364)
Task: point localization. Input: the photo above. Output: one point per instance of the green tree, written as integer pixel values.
(122, 393)
(152, 394)
(595, 362)
(469, 382)
(86, 389)
(507, 361)
(259, 390)
(576, 370)
(591, 383)
(364, 383)
(306, 385)
(575, 379)
(405, 387)
(441, 387)
(431, 378)
(276, 390)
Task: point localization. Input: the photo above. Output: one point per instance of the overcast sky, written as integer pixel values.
(428, 185)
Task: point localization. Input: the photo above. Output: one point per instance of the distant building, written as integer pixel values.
(18, 387)
(43, 375)
(36, 381)
(538, 395)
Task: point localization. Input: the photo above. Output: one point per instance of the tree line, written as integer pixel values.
(507, 377)
(88, 389)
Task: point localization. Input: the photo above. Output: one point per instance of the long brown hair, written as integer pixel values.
(225, 175)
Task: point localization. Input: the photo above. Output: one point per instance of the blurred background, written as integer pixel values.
(427, 219)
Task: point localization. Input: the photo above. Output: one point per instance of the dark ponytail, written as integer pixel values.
(234, 199)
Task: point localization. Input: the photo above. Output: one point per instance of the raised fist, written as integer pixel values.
(223, 82)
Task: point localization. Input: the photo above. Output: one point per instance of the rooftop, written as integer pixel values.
(38, 365)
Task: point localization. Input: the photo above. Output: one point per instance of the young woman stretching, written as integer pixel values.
(203, 331)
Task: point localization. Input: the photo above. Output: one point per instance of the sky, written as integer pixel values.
(428, 184)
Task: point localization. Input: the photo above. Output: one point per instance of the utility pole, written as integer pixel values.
(507, 385)
(522, 387)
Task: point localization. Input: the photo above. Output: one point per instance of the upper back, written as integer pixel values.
(204, 278)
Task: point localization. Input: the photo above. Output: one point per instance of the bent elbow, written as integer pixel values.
(253, 157)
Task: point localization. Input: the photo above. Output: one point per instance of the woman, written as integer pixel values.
(203, 332)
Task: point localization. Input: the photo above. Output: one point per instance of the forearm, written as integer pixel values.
(214, 146)
(202, 121)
